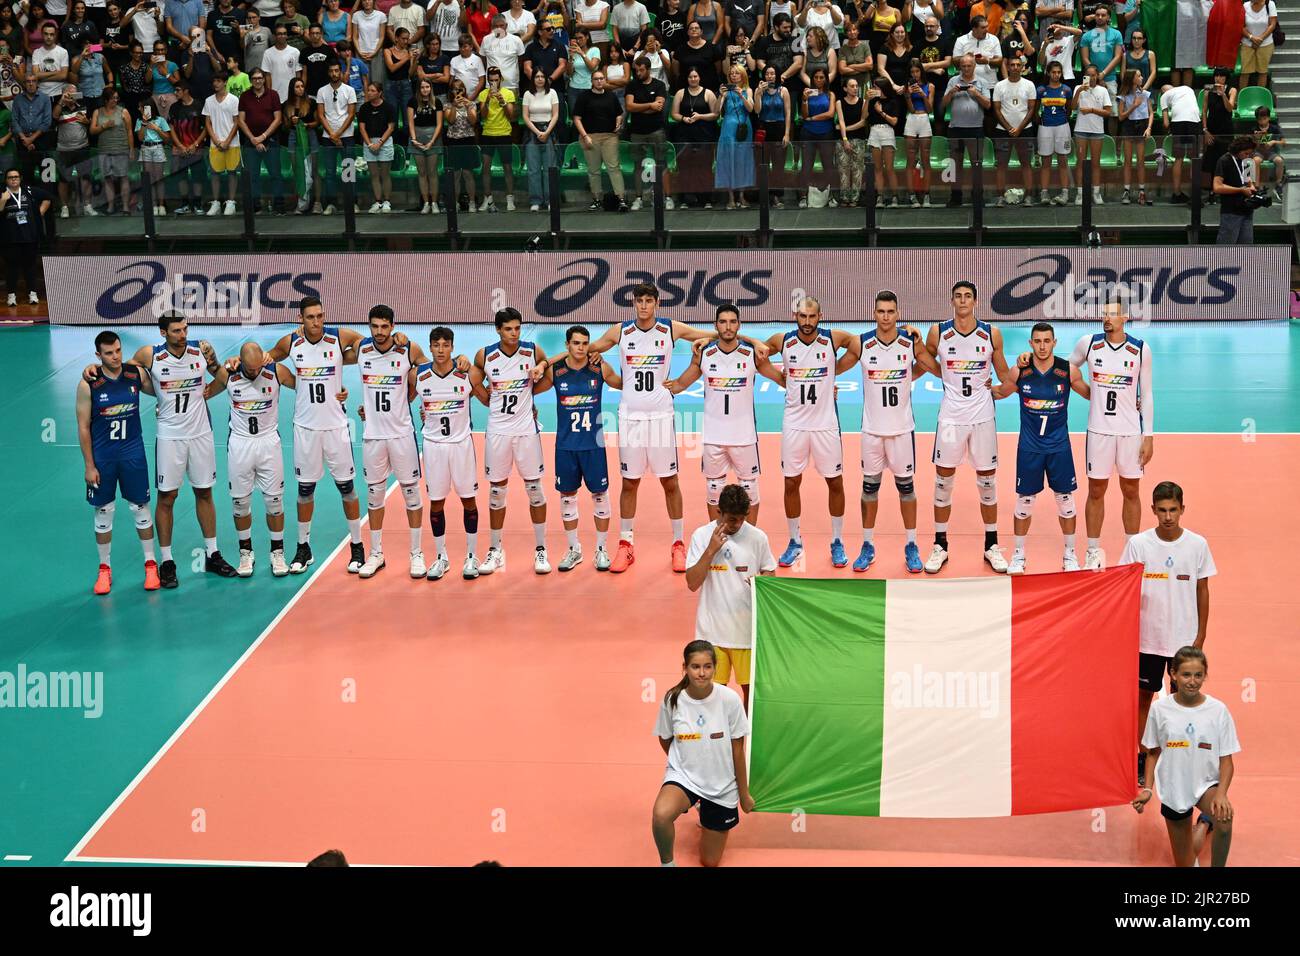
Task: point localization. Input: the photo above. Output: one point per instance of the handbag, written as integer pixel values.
(742, 133)
(1279, 37)
(818, 197)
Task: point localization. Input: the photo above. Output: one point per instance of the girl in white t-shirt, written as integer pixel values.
(1093, 103)
(1190, 738)
(702, 728)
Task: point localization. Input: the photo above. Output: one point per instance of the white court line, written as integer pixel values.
(164, 862)
(15, 858)
(74, 856)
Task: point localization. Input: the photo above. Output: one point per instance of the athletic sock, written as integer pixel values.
(210, 546)
(104, 550)
(146, 545)
(625, 529)
(376, 539)
(572, 537)
(246, 544)
(1094, 544)
(416, 534)
(1020, 544)
(1069, 542)
(990, 536)
(868, 535)
(601, 537)
(166, 550)
(941, 534)
(539, 533)
(471, 543)
(837, 527)
(793, 525)
(496, 537)
(354, 530)
(911, 536)
(304, 532)
(277, 544)
(679, 528)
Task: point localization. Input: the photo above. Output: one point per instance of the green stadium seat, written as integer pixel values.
(938, 152)
(1109, 154)
(1251, 99)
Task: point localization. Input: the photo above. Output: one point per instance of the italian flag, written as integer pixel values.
(979, 697)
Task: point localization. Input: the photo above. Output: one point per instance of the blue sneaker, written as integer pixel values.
(791, 553)
(838, 557)
(912, 555)
(865, 557)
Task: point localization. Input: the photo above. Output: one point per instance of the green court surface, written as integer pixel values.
(160, 654)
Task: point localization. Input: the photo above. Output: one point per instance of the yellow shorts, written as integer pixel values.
(729, 658)
(1256, 59)
(223, 160)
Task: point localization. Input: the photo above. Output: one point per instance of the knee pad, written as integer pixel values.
(1065, 505)
(870, 487)
(306, 492)
(438, 523)
(600, 505)
(104, 518)
(988, 488)
(714, 490)
(943, 490)
(536, 496)
(242, 507)
(347, 489)
(274, 505)
(374, 496)
(1024, 506)
(497, 498)
(906, 489)
(751, 488)
(569, 507)
(140, 515)
(411, 495)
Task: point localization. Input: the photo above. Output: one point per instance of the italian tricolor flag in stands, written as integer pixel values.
(976, 697)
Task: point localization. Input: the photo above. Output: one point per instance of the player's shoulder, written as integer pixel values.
(868, 339)
(294, 339)
(367, 345)
(1061, 366)
(1134, 344)
(527, 348)
(984, 330)
(269, 370)
(947, 328)
(424, 370)
(488, 352)
(330, 335)
(131, 373)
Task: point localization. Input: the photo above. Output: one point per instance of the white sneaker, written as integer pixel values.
(214, 208)
(433, 208)
(493, 561)
(937, 559)
(995, 559)
(572, 558)
(486, 204)
(230, 207)
(89, 211)
(33, 299)
(329, 210)
(374, 564)
(1078, 198)
(245, 569)
(668, 202)
(425, 209)
(160, 210)
(603, 560)
(1094, 559)
(1126, 198)
(925, 202)
(1043, 197)
(316, 209)
(375, 207)
(65, 212)
(12, 300)
(636, 204)
(1063, 197)
(1097, 198)
(417, 564)
(510, 204)
(535, 207)
(470, 571)
(1017, 565)
(386, 207)
(1069, 561)
(439, 568)
(1000, 202)
(279, 568)
(540, 564)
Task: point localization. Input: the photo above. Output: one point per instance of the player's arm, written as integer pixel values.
(1005, 375)
(698, 571)
(350, 344)
(417, 356)
(925, 362)
(476, 378)
(410, 383)
(689, 377)
(540, 368)
(1147, 404)
(932, 341)
(768, 370)
(773, 342)
(610, 376)
(83, 433)
(280, 350)
(1153, 754)
(1202, 610)
(1220, 808)
(285, 377)
(612, 336)
(689, 333)
(852, 350)
(143, 358)
(1078, 384)
(218, 371)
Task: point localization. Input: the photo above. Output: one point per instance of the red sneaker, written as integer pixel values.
(104, 583)
(679, 557)
(623, 557)
(151, 582)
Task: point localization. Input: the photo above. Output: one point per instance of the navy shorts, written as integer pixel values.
(713, 816)
(1058, 466)
(130, 474)
(572, 468)
(1152, 669)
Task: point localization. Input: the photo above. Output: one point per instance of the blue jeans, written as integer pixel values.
(330, 155)
(1235, 230)
(255, 159)
(540, 157)
(398, 92)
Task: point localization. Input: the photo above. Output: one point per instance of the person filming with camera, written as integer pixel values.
(1236, 181)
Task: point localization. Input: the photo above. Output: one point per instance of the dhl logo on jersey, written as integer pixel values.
(642, 361)
(251, 405)
(1044, 404)
(116, 411)
(381, 381)
(884, 375)
(1178, 744)
(181, 384)
(510, 384)
(961, 365)
(444, 406)
(719, 567)
(570, 401)
(1155, 576)
(690, 736)
(805, 373)
(726, 384)
(320, 371)
(1117, 381)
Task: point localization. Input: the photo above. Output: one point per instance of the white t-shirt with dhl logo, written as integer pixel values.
(645, 356)
(319, 368)
(966, 360)
(1191, 741)
(699, 757)
(1172, 569)
(383, 383)
(887, 385)
(178, 384)
(726, 606)
(510, 386)
(809, 384)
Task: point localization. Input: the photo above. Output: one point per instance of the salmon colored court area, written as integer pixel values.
(510, 718)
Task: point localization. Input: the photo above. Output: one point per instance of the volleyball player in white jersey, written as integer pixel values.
(443, 391)
(388, 445)
(184, 446)
(647, 436)
(810, 424)
(253, 453)
(503, 377)
(890, 357)
(729, 367)
(968, 351)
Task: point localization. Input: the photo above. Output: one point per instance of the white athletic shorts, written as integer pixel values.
(181, 458)
(895, 452)
(255, 462)
(742, 460)
(522, 452)
(647, 445)
(917, 125)
(1108, 453)
(822, 448)
(381, 457)
(314, 451)
(954, 444)
(1054, 139)
(450, 465)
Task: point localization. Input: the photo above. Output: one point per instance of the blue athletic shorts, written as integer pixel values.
(1058, 466)
(572, 468)
(131, 475)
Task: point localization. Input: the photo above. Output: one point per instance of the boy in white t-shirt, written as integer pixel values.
(723, 558)
(1177, 567)
(1191, 738)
